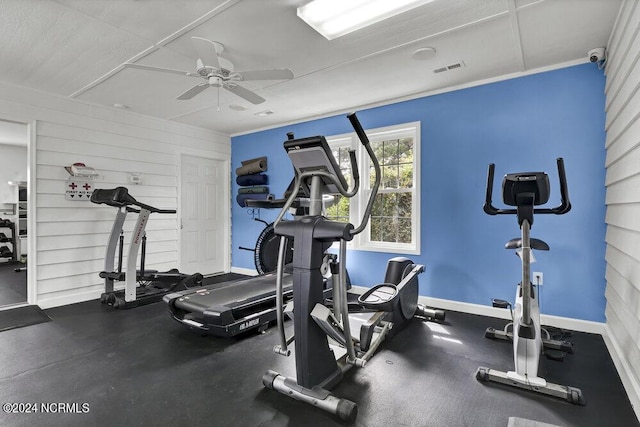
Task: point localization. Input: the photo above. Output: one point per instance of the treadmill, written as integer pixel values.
(231, 308)
(142, 286)
(236, 307)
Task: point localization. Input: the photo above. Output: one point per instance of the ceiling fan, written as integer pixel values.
(218, 72)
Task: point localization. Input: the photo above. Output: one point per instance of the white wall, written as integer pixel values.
(13, 167)
(623, 197)
(69, 237)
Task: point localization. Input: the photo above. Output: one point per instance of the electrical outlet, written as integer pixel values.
(537, 278)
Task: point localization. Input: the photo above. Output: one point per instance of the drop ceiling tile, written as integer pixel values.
(151, 20)
(62, 46)
(49, 47)
(560, 31)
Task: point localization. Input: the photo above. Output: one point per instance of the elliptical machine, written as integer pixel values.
(525, 190)
(319, 364)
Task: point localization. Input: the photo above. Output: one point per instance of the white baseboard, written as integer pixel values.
(623, 365)
(500, 313)
(247, 271)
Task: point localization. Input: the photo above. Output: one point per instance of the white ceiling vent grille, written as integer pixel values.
(458, 64)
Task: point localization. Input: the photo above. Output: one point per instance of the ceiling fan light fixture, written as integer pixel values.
(215, 81)
(335, 18)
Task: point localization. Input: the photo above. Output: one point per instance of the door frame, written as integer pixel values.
(226, 199)
(32, 249)
(32, 290)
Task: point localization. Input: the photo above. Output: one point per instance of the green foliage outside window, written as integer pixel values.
(391, 214)
(339, 211)
(391, 217)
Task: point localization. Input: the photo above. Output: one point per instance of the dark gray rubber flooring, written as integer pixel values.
(13, 285)
(21, 317)
(141, 368)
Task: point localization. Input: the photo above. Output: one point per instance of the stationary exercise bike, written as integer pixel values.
(525, 190)
(324, 345)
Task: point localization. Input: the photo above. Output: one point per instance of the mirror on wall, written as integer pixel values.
(14, 139)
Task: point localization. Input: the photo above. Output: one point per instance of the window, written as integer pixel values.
(394, 225)
(340, 147)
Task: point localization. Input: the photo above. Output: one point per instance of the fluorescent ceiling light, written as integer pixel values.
(335, 18)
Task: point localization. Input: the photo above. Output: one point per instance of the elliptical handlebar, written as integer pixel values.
(563, 208)
(362, 136)
(298, 181)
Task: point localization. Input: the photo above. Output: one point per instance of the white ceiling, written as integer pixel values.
(77, 48)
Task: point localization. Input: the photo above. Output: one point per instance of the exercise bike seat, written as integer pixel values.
(379, 298)
(516, 243)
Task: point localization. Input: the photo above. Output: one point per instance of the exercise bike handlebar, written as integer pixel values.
(563, 208)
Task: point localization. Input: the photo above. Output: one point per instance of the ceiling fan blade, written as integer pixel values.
(245, 93)
(193, 91)
(206, 51)
(161, 69)
(274, 74)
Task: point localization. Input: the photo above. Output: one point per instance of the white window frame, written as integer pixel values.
(359, 202)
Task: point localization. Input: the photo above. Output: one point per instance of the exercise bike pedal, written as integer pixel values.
(490, 333)
(500, 303)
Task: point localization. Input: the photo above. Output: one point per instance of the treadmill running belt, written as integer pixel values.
(235, 294)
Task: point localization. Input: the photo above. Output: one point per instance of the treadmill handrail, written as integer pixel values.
(119, 197)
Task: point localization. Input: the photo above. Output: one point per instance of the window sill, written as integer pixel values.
(394, 249)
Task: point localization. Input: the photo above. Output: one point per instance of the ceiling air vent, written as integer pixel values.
(459, 64)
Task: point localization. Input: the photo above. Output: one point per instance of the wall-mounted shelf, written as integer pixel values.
(20, 218)
(8, 240)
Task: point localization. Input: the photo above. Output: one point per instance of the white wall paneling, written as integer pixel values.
(623, 198)
(69, 237)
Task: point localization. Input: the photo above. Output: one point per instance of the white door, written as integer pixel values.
(204, 225)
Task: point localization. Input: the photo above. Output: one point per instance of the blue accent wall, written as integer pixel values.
(522, 124)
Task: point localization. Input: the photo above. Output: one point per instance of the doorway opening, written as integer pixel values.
(14, 145)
